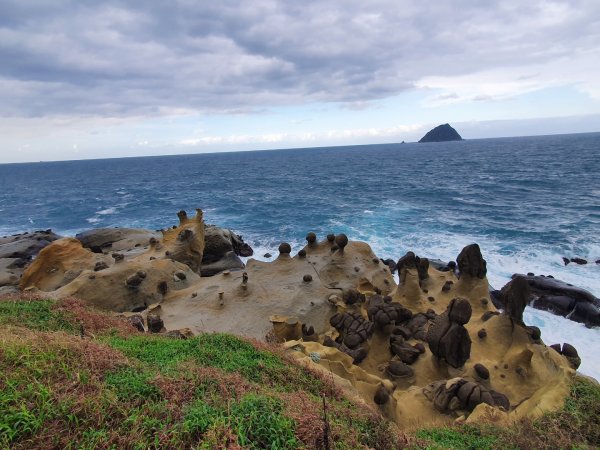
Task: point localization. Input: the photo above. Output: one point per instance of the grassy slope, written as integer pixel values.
(116, 388)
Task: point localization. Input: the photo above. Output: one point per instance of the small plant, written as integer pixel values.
(131, 384)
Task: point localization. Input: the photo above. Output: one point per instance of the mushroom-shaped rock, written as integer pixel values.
(331, 238)
(515, 296)
(311, 238)
(285, 248)
(471, 262)
(341, 240)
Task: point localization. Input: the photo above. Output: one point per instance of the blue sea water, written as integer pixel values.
(527, 201)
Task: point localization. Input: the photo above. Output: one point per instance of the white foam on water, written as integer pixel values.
(107, 211)
(557, 329)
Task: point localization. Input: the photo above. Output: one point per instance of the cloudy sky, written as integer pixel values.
(89, 79)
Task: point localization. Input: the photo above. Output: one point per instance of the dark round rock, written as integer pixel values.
(481, 334)
(420, 347)
(302, 253)
(400, 369)
(482, 371)
(311, 238)
(285, 248)
(352, 340)
(268, 255)
(307, 278)
(341, 240)
(555, 347)
(460, 311)
(331, 237)
(569, 351)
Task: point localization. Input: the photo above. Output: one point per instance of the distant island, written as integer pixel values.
(442, 133)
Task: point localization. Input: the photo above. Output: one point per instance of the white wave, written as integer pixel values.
(557, 329)
(107, 211)
(93, 220)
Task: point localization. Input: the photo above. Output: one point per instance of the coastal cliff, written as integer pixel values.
(427, 350)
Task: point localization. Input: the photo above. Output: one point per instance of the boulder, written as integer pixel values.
(471, 262)
(515, 296)
(448, 339)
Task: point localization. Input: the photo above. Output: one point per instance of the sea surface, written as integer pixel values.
(526, 201)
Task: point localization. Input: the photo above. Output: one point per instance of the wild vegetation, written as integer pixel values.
(71, 377)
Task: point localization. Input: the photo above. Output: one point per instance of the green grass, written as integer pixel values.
(260, 424)
(33, 314)
(458, 438)
(113, 390)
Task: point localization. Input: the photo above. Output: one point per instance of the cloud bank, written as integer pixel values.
(149, 59)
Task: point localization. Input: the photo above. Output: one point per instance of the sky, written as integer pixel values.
(89, 79)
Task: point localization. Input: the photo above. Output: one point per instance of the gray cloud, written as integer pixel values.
(122, 58)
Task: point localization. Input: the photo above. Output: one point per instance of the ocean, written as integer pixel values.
(527, 201)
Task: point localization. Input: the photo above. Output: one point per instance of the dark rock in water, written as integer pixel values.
(471, 262)
(557, 304)
(515, 296)
(441, 133)
(268, 255)
(566, 260)
(579, 261)
(549, 294)
(586, 313)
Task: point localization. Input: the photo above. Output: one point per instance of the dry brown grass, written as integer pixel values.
(93, 321)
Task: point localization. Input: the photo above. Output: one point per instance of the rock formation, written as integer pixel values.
(549, 294)
(441, 133)
(426, 351)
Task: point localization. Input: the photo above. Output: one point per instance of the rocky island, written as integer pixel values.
(441, 133)
(428, 350)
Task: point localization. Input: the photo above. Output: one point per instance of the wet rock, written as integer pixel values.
(471, 262)
(579, 261)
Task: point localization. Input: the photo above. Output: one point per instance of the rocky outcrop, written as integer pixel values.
(109, 240)
(556, 296)
(471, 262)
(514, 298)
(441, 133)
(459, 394)
(17, 252)
(222, 251)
